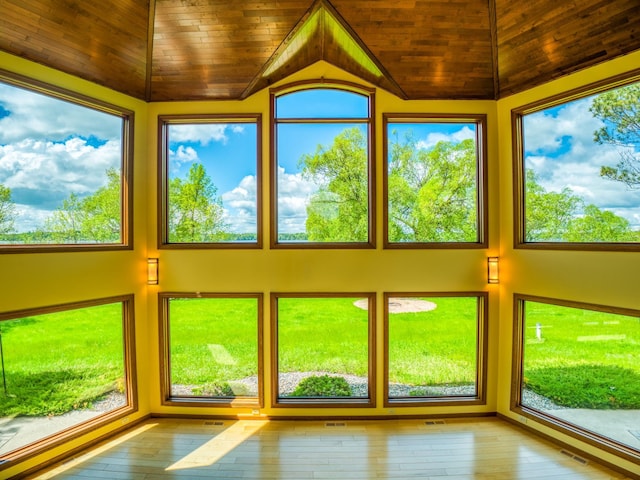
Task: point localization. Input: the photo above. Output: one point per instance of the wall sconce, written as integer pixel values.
(493, 275)
(152, 271)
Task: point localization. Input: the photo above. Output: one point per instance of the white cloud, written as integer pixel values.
(294, 193)
(433, 138)
(183, 154)
(41, 174)
(199, 133)
(546, 133)
(241, 206)
(562, 152)
(36, 116)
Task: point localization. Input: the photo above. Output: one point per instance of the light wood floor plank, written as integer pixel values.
(486, 449)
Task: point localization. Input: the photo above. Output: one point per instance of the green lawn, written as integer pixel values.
(213, 340)
(436, 347)
(57, 362)
(61, 361)
(583, 358)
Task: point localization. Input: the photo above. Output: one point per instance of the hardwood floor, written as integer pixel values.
(484, 448)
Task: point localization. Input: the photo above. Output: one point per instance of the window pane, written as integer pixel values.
(60, 171)
(581, 164)
(213, 347)
(323, 183)
(212, 182)
(432, 182)
(323, 347)
(322, 103)
(60, 370)
(322, 168)
(583, 366)
(433, 347)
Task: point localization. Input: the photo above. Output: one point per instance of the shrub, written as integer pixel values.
(322, 386)
(214, 390)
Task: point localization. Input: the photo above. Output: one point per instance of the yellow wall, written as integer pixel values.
(34, 280)
(606, 278)
(280, 270)
(30, 280)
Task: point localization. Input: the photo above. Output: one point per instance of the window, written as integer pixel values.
(210, 174)
(65, 169)
(324, 349)
(322, 176)
(577, 368)
(212, 348)
(577, 169)
(66, 369)
(434, 181)
(435, 348)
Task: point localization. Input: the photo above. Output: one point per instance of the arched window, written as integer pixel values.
(322, 174)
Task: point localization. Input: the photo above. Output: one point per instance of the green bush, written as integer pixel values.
(214, 390)
(322, 386)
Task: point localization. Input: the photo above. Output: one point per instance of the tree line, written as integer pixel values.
(432, 194)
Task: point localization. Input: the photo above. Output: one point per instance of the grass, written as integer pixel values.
(62, 361)
(213, 340)
(322, 335)
(436, 347)
(583, 358)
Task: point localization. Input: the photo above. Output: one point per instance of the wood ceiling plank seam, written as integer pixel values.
(493, 33)
(148, 77)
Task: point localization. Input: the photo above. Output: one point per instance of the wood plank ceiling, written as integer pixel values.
(167, 50)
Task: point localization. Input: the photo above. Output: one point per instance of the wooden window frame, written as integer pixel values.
(131, 385)
(517, 141)
(126, 165)
(482, 325)
(517, 363)
(164, 121)
(274, 93)
(348, 402)
(165, 350)
(482, 221)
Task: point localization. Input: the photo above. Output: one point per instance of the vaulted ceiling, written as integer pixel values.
(163, 50)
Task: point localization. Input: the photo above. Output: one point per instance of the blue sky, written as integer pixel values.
(560, 149)
(228, 151)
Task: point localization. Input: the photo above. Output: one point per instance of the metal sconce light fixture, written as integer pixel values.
(152, 271)
(493, 275)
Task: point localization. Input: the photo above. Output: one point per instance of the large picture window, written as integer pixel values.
(212, 348)
(322, 175)
(65, 369)
(577, 368)
(65, 169)
(210, 181)
(434, 181)
(324, 349)
(577, 166)
(435, 348)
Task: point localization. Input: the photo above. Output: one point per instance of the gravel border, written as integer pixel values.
(287, 382)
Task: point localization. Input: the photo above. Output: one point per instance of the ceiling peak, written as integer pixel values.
(322, 34)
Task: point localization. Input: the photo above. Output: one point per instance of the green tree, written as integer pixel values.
(7, 210)
(548, 214)
(195, 210)
(339, 210)
(600, 226)
(65, 224)
(432, 193)
(563, 217)
(103, 211)
(619, 109)
(95, 218)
